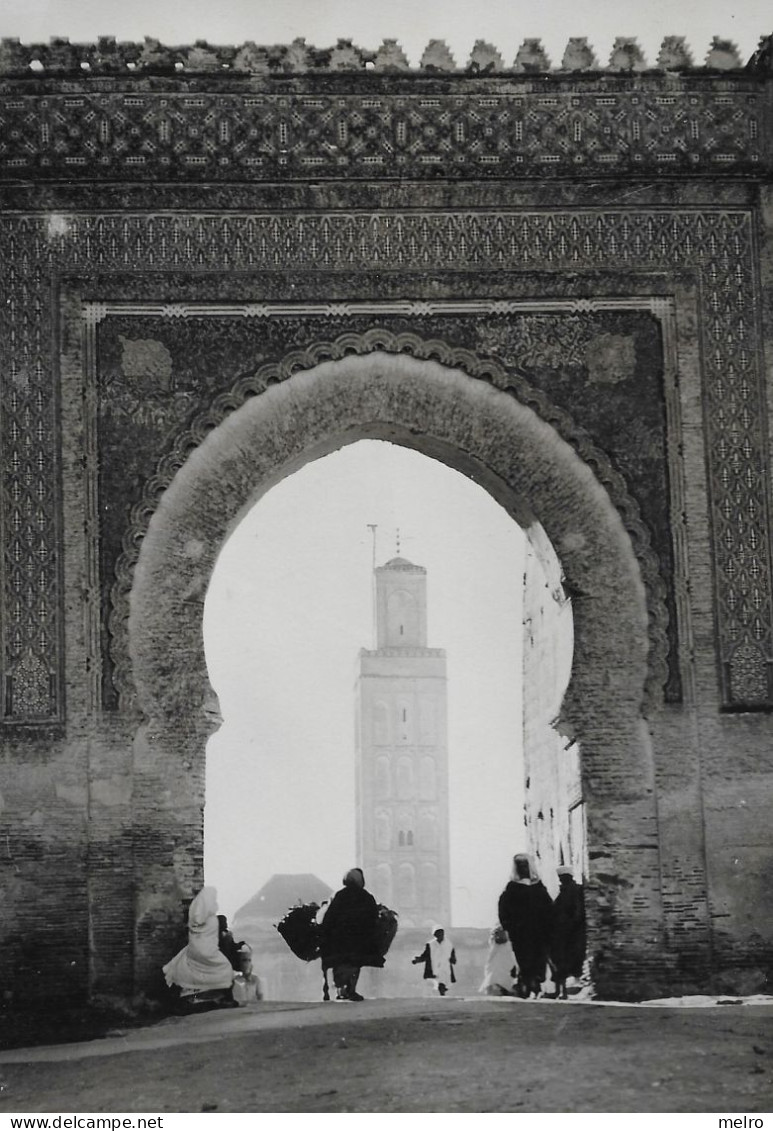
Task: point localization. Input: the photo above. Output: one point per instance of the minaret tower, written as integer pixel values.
(402, 753)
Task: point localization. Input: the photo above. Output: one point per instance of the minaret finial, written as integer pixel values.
(398, 541)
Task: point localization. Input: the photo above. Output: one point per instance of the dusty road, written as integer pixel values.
(409, 1056)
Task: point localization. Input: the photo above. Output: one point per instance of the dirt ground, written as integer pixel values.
(439, 1055)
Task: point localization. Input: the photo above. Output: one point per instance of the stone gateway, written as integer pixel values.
(222, 263)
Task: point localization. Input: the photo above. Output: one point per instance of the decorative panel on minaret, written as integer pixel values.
(402, 754)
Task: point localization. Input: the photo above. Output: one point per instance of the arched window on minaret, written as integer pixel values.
(427, 721)
(427, 779)
(404, 779)
(406, 885)
(383, 830)
(428, 832)
(383, 784)
(430, 886)
(404, 721)
(382, 884)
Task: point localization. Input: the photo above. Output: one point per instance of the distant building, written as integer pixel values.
(281, 892)
(554, 811)
(402, 753)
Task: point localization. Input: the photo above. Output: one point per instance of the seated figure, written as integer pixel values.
(228, 944)
(201, 967)
(247, 985)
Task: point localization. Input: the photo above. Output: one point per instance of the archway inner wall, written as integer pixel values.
(529, 469)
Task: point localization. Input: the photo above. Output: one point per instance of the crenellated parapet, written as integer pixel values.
(107, 56)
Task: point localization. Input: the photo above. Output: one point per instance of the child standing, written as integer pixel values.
(439, 958)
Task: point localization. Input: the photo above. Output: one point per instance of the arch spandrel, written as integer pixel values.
(421, 404)
(464, 460)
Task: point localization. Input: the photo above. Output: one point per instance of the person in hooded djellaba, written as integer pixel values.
(526, 913)
(568, 939)
(200, 971)
(439, 958)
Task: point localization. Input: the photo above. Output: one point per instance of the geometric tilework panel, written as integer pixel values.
(31, 608)
(715, 243)
(143, 135)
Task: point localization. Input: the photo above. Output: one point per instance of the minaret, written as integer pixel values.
(402, 753)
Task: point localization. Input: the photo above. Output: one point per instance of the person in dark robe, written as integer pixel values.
(526, 913)
(349, 935)
(227, 944)
(567, 943)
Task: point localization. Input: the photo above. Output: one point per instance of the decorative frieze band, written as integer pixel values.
(149, 135)
(94, 312)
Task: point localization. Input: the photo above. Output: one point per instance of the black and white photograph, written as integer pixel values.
(386, 571)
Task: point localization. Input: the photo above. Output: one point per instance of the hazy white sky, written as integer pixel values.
(506, 23)
(288, 609)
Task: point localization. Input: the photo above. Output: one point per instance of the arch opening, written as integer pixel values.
(290, 607)
(525, 466)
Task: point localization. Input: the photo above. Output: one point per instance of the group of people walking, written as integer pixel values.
(534, 932)
(542, 931)
(352, 931)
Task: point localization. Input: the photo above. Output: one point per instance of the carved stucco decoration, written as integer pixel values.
(716, 244)
(384, 340)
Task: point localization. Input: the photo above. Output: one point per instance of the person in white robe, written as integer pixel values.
(439, 958)
(499, 972)
(200, 965)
